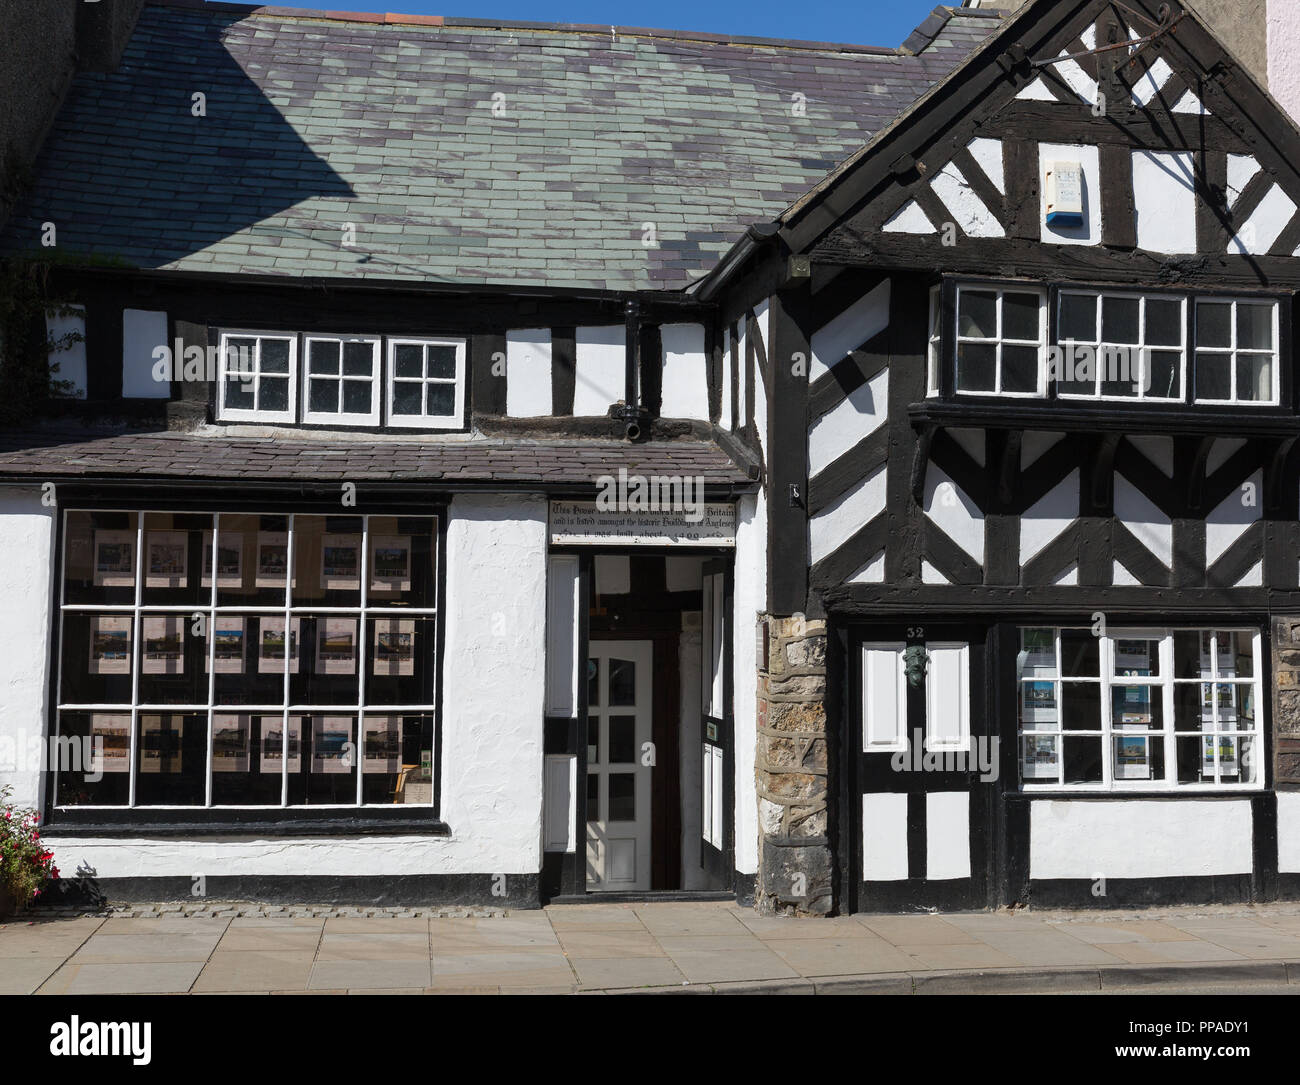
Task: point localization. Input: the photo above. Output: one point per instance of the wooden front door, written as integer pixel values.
(619, 714)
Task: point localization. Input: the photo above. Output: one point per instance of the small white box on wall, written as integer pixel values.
(1063, 191)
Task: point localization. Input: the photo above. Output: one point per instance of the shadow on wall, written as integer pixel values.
(131, 173)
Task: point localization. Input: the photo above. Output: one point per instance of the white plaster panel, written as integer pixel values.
(1069, 578)
(750, 601)
(1139, 838)
(1265, 224)
(988, 153)
(724, 418)
(931, 575)
(1140, 515)
(1164, 201)
(613, 574)
(143, 331)
(1077, 79)
(1159, 450)
(1254, 578)
(1121, 577)
(741, 367)
(947, 835)
(1150, 82)
(763, 349)
(859, 414)
(1046, 518)
(26, 580)
(967, 209)
(528, 373)
(1241, 168)
(847, 331)
(600, 369)
(909, 219)
(1223, 449)
(835, 525)
(1227, 523)
(686, 375)
(950, 508)
(871, 573)
(884, 837)
(1190, 103)
(1288, 832)
(71, 360)
(1034, 444)
(971, 441)
(1036, 92)
(1089, 159)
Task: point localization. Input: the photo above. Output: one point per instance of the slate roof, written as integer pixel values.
(314, 122)
(285, 455)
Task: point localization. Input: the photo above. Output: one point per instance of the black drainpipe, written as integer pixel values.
(634, 416)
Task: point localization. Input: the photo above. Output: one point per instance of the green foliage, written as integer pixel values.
(26, 865)
(28, 366)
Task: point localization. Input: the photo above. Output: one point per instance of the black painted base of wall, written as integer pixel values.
(918, 895)
(1143, 892)
(746, 888)
(378, 891)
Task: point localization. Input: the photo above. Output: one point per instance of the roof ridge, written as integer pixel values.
(916, 43)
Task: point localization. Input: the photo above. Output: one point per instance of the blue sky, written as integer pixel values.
(865, 22)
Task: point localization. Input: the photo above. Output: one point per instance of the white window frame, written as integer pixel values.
(934, 347)
(424, 421)
(1231, 352)
(340, 418)
(1099, 344)
(240, 414)
(363, 612)
(997, 341)
(1162, 685)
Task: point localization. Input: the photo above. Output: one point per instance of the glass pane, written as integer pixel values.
(1137, 658)
(1038, 706)
(622, 740)
(239, 394)
(329, 765)
(247, 757)
(1191, 654)
(275, 356)
(358, 359)
(1119, 320)
(97, 655)
(254, 560)
(1254, 326)
(1138, 757)
(407, 398)
(402, 655)
(173, 547)
(358, 397)
(323, 357)
(1214, 376)
(1191, 760)
(397, 760)
(441, 400)
(1020, 316)
(173, 663)
(1236, 655)
(1077, 318)
(408, 360)
(1164, 323)
(403, 561)
(1039, 758)
(1082, 760)
(1255, 378)
(1076, 372)
(94, 766)
(323, 396)
(593, 683)
(1213, 324)
(442, 361)
(593, 740)
(1037, 652)
(1162, 374)
(252, 672)
(622, 796)
(240, 356)
(327, 674)
(1019, 369)
(976, 367)
(977, 314)
(1080, 657)
(172, 763)
(273, 394)
(275, 742)
(622, 682)
(327, 561)
(1137, 707)
(1188, 700)
(1120, 370)
(593, 797)
(1081, 706)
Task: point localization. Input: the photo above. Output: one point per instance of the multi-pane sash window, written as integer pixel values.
(1000, 338)
(1121, 346)
(342, 380)
(257, 377)
(427, 387)
(1236, 351)
(247, 660)
(1139, 709)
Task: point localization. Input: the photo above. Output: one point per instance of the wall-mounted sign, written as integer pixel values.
(584, 523)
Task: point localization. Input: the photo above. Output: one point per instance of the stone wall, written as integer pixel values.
(1286, 703)
(795, 866)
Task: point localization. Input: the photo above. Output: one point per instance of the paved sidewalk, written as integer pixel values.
(657, 947)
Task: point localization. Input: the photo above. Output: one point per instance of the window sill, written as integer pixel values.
(70, 824)
(1161, 793)
(1089, 416)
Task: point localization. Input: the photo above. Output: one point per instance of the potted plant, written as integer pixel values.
(26, 865)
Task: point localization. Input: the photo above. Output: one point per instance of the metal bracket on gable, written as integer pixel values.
(1168, 25)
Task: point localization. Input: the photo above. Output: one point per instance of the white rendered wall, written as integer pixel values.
(1139, 838)
(26, 571)
(600, 369)
(1288, 832)
(750, 600)
(686, 372)
(494, 666)
(1284, 54)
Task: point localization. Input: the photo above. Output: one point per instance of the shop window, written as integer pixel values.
(1139, 710)
(294, 663)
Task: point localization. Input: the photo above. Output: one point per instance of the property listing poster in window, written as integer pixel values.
(331, 745)
(110, 644)
(340, 562)
(270, 649)
(1133, 658)
(391, 564)
(1038, 757)
(383, 744)
(167, 559)
(160, 743)
(271, 732)
(1134, 707)
(1037, 704)
(394, 646)
(1227, 755)
(336, 646)
(228, 652)
(1037, 653)
(1132, 761)
(230, 559)
(114, 559)
(272, 559)
(110, 743)
(164, 646)
(230, 743)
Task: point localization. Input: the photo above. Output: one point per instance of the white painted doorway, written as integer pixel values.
(619, 704)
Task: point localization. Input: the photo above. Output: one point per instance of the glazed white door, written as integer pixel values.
(619, 763)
